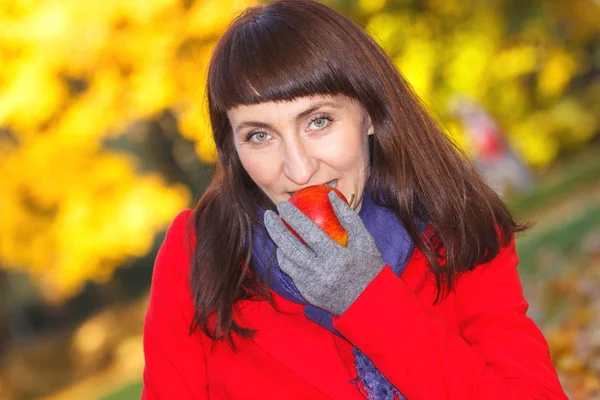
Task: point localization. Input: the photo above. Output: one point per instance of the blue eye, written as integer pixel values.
(257, 137)
(320, 122)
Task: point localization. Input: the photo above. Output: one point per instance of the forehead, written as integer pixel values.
(290, 108)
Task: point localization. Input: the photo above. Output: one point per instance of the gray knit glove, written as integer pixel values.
(328, 275)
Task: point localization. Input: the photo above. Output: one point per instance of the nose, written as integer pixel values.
(299, 163)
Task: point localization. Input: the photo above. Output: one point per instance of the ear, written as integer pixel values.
(369, 125)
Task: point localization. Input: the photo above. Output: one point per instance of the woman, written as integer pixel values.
(424, 302)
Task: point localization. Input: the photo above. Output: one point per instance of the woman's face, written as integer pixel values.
(286, 146)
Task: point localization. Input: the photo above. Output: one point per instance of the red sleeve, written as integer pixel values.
(175, 367)
(499, 354)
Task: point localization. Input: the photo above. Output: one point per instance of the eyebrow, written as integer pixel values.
(311, 109)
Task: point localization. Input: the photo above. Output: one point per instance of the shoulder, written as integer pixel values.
(180, 225)
(497, 281)
(170, 291)
(499, 272)
(491, 293)
(180, 234)
(175, 252)
(503, 265)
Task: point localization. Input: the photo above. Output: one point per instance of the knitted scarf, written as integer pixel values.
(395, 247)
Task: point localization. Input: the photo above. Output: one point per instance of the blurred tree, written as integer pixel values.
(74, 77)
(83, 84)
(534, 65)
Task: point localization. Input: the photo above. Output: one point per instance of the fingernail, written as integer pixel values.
(269, 217)
(285, 208)
(334, 197)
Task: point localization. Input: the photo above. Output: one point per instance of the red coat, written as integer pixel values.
(475, 344)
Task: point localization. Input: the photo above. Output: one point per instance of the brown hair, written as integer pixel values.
(294, 48)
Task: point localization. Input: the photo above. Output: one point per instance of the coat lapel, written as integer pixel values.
(300, 345)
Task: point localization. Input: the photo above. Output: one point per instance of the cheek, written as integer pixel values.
(263, 169)
(349, 154)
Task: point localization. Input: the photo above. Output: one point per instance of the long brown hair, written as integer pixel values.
(294, 48)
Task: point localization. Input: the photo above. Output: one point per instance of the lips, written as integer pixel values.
(332, 183)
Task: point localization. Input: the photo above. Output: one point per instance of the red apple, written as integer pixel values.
(314, 202)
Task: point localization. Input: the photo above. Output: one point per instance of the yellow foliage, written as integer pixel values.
(191, 124)
(371, 6)
(451, 48)
(557, 73)
(73, 74)
(513, 62)
(67, 227)
(383, 27)
(467, 71)
(210, 18)
(568, 117)
(32, 95)
(417, 64)
(449, 8)
(535, 140)
(511, 102)
(455, 132)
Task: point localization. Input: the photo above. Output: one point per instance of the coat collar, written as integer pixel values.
(307, 349)
(300, 345)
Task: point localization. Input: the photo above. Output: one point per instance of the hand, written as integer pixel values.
(328, 275)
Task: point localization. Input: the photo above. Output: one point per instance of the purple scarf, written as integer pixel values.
(395, 247)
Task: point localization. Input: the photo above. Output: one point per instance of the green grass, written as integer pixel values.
(570, 179)
(128, 392)
(563, 239)
(573, 176)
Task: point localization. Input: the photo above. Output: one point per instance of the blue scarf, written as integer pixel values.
(395, 247)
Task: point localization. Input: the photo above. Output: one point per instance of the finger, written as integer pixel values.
(342, 209)
(288, 266)
(296, 273)
(314, 236)
(284, 239)
(349, 219)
